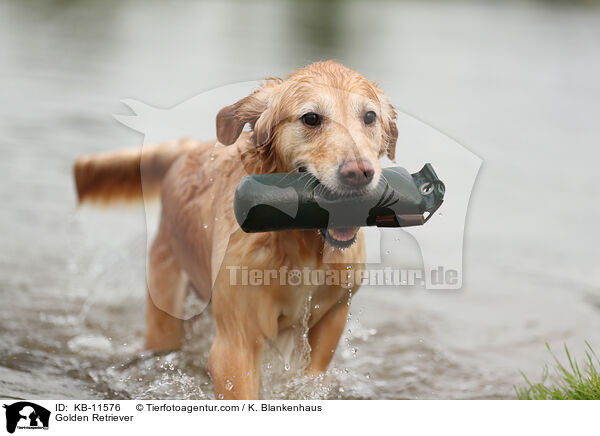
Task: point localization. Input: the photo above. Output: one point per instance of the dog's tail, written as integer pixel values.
(121, 175)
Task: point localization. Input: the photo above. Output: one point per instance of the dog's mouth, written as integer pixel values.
(342, 237)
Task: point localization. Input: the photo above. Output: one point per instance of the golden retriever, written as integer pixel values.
(326, 120)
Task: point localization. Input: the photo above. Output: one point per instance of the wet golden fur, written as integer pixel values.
(198, 236)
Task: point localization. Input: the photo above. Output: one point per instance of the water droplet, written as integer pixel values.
(286, 366)
(205, 226)
(269, 365)
(212, 156)
(317, 306)
(229, 385)
(211, 180)
(220, 396)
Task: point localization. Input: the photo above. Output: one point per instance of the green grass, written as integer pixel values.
(561, 382)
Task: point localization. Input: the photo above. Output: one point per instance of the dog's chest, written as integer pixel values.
(305, 305)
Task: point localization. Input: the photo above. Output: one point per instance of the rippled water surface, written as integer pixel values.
(516, 83)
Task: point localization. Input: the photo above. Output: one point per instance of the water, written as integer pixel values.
(517, 83)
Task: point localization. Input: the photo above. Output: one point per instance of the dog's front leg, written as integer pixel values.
(324, 336)
(234, 364)
(244, 318)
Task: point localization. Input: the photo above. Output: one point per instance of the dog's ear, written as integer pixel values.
(249, 110)
(232, 119)
(392, 138)
(388, 121)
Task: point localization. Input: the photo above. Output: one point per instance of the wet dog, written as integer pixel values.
(326, 120)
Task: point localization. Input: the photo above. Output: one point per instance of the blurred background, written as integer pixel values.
(517, 83)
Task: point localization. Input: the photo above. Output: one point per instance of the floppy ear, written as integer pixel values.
(232, 119)
(390, 130)
(392, 138)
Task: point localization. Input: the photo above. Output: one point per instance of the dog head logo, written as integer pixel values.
(26, 415)
(437, 247)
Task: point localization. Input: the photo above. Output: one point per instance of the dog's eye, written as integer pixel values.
(370, 117)
(311, 119)
(301, 169)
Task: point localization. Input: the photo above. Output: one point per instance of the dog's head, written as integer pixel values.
(325, 119)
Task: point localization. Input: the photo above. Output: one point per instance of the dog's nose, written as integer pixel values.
(356, 173)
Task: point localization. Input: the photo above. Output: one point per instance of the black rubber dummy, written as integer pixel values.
(295, 201)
